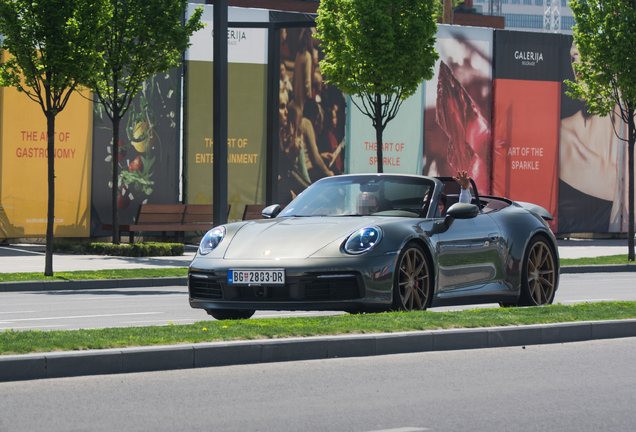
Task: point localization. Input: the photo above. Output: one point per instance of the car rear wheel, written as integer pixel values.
(538, 278)
(412, 284)
(230, 314)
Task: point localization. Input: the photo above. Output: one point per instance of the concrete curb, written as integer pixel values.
(183, 281)
(93, 284)
(189, 356)
(610, 268)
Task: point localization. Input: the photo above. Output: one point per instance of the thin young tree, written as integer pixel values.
(144, 37)
(379, 51)
(604, 32)
(52, 47)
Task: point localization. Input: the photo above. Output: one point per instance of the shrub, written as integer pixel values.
(132, 250)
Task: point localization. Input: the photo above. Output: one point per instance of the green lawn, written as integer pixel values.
(605, 260)
(19, 342)
(183, 271)
(97, 274)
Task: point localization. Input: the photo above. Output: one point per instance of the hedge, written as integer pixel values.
(131, 250)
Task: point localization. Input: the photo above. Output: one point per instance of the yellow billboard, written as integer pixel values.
(23, 167)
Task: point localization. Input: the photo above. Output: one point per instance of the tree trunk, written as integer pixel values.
(447, 15)
(630, 210)
(378, 131)
(50, 130)
(115, 189)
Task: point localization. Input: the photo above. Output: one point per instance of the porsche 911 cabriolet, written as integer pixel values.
(375, 242)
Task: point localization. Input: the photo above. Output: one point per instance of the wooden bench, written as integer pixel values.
(253, 211)
(177, 218)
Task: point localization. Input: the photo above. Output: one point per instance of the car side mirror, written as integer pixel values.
(271, 211)
(462, 211)
(456, 211)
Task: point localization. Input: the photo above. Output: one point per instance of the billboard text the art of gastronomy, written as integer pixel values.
(24, 172)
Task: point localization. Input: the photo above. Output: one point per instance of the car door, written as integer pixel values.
(469, 254)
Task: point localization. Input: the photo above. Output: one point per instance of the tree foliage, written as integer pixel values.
(52, 45)
(605, 34)
(144, 37)
(378, 50)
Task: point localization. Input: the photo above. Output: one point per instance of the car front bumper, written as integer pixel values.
(349, 283)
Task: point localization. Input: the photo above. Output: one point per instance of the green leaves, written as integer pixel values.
(604, 34)
(144, 37)
(377, 46)
(378, 50)
(53, 47)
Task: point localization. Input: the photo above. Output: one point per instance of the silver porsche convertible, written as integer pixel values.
(377, 242)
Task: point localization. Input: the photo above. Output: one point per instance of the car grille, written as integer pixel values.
(311, 288)
(204, 287)
(333, 289)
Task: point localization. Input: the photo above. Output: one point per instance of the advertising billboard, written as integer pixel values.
(24, 171)
(526, 105)
(402, 151)
(147, 152)
(247, 99)
(591, 175)
(457, 109)
(311, 116)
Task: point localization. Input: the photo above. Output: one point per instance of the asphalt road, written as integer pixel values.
(50, 310)
(583, 386)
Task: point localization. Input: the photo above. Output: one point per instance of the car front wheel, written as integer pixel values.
(412, 285)
(538, 279)
(230, 314)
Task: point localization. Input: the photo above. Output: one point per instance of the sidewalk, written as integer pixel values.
(30, 258)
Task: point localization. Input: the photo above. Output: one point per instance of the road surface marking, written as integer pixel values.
(6, 321)
(177, 320)
(18, 312)
(34, 327)
(404, 429)
(587, 301)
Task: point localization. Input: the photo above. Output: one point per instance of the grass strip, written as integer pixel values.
(182, 271)
(604, 260)
(29, 341)
(96, 274)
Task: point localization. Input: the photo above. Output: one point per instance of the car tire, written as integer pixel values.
(230, 314)
(538, 274)
(412, 281)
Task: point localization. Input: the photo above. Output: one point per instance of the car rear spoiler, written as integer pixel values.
(538, 210)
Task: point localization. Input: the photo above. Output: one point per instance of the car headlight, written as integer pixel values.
(363, 240)
(211, 240)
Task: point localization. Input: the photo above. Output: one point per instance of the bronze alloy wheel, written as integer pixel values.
(539, 275)
(413, 281)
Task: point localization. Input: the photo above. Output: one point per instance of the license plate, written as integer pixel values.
(269, 277)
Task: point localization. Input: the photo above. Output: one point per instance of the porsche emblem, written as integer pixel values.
(267, 252)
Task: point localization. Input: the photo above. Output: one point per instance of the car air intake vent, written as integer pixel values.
(343, 288)
(204, 288)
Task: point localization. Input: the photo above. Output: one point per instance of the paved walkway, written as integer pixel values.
(30, 258)
(25, 258)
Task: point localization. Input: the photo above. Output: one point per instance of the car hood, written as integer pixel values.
(294, 237)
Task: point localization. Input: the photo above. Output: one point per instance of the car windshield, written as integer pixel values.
(361, 195)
